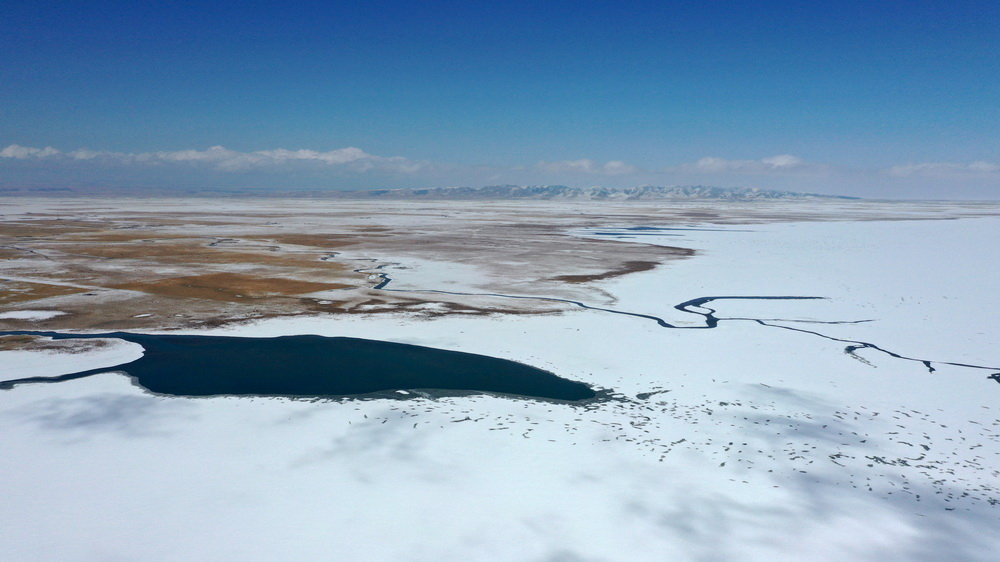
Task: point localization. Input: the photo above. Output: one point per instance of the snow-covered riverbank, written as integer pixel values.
(754, 442)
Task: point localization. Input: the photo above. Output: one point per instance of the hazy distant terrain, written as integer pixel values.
(545, 192)
(494, 192)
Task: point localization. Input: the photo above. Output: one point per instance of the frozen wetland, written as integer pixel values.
(858, 425)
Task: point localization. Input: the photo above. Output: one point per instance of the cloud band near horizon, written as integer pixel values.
(359, 164)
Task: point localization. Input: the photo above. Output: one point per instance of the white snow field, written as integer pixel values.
(30, 314)
(743, 442)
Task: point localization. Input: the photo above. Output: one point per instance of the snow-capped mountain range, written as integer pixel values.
(588, 193)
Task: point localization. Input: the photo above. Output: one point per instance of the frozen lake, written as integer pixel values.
(774, 435)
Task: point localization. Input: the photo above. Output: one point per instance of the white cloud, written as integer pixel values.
(353, 168)
(214, 154)
(782, 163)
(945, 169)
(24, 152)
(617, 167)
(220, 158)
(84, 154)
(587, 166)
(339, 156)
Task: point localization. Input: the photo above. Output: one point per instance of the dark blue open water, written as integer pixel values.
(310, 366)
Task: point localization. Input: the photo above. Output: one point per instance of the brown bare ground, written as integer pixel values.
(190, 258)
(325, 241)
(196, 252)
(232, 287)
(628, 267)
(373, 306)
(37, 343)
(21, 291)
(163, 265)
(127, 236)
(44, 228)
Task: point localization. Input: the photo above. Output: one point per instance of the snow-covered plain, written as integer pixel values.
(30, 314)
(747, 441)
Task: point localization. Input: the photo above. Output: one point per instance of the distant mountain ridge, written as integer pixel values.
(644, 192)
(491, 192)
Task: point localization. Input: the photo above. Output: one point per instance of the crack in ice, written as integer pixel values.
(711, 321)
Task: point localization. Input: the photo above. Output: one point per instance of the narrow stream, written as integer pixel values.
(697, 306)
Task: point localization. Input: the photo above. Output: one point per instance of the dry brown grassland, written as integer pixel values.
(126, 264)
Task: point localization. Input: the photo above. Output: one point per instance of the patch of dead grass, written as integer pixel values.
(325, 241)
(634, 266)
(21, 291)
(40, 343)
(198, 253)
(127, 236)
(232, 287)
(44, 228)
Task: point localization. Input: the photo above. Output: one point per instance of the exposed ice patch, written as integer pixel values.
(30, 314)
(53, 362)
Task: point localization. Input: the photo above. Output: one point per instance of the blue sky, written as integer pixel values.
(882, 99)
